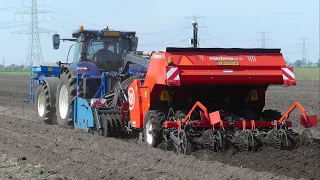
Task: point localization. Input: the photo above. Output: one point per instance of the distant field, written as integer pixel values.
(307, 73)
(15, 73)
(302, 73)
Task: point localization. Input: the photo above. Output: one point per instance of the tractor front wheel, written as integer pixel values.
(66, 91)
(45, 112)
(153, 127)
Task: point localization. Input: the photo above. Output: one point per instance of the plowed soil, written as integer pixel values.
(33, 150)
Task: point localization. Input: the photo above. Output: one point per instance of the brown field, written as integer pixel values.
(32, 150)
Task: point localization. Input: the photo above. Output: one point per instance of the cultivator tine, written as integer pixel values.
(212, 140)
(180, 142)
(278, 139)
(245, 141)
(306, 120)
(207, 140)
(219, 143)
(272, 138)
(283, 139)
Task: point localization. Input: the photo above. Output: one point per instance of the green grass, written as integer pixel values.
(307, 73)
(17, 73)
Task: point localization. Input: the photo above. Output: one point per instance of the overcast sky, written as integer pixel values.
(224, 23)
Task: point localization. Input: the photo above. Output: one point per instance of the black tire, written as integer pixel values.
(67, 81)
(106, 126)
(46, 113)
(112, 125)
(155, 118)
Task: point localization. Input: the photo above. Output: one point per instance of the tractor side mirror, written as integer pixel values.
(59, 63)
(56, 41)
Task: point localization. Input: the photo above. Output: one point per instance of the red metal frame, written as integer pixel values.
(211, 68)
(306, 120)
(213, 120)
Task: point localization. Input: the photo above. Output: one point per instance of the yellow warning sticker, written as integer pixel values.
(228, 63)
(254, 95)
(164, 96)
(49, 68)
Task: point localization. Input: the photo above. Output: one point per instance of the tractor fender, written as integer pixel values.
(93, 70)
(52, 83)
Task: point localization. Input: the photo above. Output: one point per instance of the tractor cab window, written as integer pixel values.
(77, 51)
(107, 53)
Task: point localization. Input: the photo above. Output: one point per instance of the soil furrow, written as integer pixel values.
(83, 156)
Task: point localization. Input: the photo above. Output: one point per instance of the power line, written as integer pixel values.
(9, 8)
(263, 38)
(161, 31)
(195, 18)
(304, 49)
(34, 48)
(165, 41)
(50, 7)
(230, 38)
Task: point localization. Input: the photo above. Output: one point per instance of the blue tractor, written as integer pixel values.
(90, 92)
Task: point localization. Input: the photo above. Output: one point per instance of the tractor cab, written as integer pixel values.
(104, 48)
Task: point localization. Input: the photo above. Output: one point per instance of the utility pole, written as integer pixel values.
(195, 39)
(263, 38)
(304, 50)
(34, 50)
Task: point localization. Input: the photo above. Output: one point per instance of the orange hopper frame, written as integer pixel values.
(203, 66)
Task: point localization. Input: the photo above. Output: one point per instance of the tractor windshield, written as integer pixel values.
(107, 53)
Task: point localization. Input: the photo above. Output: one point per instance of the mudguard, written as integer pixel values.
(52, 83)
(93, 69)
(82, 115)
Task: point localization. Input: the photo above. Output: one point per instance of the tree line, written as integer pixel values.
(12, 67)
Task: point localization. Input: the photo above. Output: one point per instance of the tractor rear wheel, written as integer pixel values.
(153, 127)
(66, 91)
(45, 112)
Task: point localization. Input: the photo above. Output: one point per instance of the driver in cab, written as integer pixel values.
(106, 59)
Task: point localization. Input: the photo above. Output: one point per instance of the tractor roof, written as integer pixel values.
(102, 33)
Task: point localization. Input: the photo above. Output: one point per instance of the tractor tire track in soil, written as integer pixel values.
(76, 155)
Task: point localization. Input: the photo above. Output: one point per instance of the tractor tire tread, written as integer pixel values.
(66, 78)
(113, 124)
(157, 119)
(105, 126)
(49, 116)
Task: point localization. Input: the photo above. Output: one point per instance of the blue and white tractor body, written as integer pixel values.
(89, 93)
